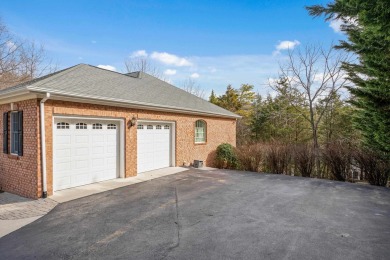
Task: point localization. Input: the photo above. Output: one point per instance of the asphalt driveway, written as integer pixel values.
(214, 215)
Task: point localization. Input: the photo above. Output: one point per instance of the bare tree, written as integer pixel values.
(144, 65)
(314, 74)
(191, 86)
(21, 60)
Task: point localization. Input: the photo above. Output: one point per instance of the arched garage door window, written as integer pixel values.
(200, 131)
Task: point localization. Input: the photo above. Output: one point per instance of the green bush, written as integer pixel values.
(226, 157)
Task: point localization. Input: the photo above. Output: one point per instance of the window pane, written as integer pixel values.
(200, 131)
(62, 125)
(81, 126)
(111, 126)
(97, 126)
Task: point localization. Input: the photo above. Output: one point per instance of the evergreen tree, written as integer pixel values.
(230, 100)
(367, 25)
(213, 98)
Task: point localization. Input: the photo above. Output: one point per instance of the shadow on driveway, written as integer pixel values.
(214, 215)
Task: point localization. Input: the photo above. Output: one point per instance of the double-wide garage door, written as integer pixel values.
(85, 151)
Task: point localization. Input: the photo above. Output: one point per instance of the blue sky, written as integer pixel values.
(215, 43)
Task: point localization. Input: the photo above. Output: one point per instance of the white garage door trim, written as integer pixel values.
(121, 141)
(172, 152)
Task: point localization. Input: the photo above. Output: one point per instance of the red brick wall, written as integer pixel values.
(20, 174)
(219, 131)
(23, 175)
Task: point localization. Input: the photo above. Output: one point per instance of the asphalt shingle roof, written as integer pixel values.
(135, 88)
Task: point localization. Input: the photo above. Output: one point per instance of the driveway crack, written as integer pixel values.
(178, 226)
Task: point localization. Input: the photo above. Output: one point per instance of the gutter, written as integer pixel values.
(67, 96)
(43, 144)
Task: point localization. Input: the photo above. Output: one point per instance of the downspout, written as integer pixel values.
(43, 145)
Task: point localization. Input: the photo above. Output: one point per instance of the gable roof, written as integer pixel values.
(137, 89)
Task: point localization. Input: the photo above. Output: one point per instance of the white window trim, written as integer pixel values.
(204, 132)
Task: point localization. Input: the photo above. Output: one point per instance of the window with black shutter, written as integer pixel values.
(17, 133)
(5, 132)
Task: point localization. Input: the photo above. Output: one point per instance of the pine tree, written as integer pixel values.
(213, 98)
(367, 25)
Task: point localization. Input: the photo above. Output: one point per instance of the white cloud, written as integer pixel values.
(170, 59)
(195, 75)
(318, 77)
(107, 67)
(213, 70)
(285, 45)
(170, 72)
(336, 25)
(139, 54)
(11, 45)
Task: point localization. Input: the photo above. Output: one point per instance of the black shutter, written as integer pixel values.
(20, 133)
(5, 132)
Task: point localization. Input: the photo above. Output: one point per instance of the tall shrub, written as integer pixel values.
(226, 156)
(304, 159)
(250, 157)
(376, 170)
(337, 157)
(278, 158)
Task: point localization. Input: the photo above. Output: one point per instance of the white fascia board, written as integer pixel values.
(63, 96)
(16, 96)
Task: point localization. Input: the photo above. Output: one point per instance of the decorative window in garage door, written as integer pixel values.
(111, 126)
(62, 125)
(97, 126)
(149, 127)
(166, 127)
(200, 131)
(81, 126)
(140, 126)
(158, 127)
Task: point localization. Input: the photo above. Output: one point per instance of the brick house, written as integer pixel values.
(85, 124)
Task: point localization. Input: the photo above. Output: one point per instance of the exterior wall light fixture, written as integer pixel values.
(133, 121)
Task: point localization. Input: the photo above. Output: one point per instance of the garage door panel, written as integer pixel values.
(98, 163)
(98, 138)
(80, 179)
(111, 161)
(63, 139)
(63, 166)
(63, 181)
(153, 147)
(98, 150)
(81, 164)
(83, 156)
(81, 139)
(111, 138)
(81, 151)
(111, 150)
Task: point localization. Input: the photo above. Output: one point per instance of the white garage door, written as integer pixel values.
(85, 151)
(153, 146)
